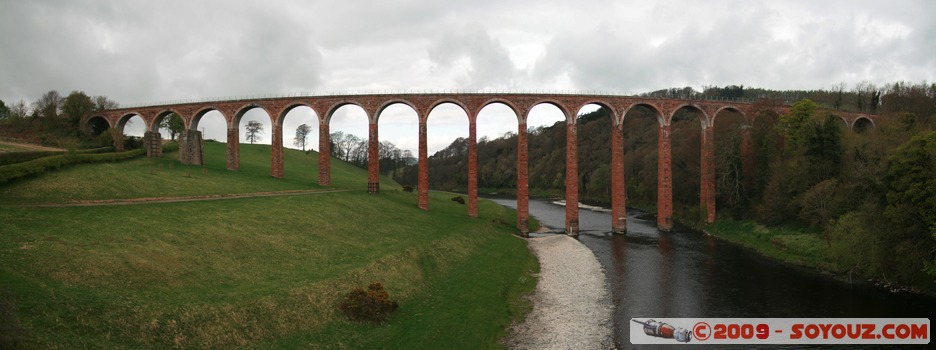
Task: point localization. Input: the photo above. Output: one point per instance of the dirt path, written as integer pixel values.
(149, 200)
(24, 147)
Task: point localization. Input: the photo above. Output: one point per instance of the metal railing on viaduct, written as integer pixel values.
(569, 104)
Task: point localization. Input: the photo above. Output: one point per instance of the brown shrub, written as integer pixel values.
(373, 305)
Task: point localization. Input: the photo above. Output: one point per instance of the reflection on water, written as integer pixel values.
(655, 274)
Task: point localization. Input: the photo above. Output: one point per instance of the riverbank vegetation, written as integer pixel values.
(856, 201)
(250, 272)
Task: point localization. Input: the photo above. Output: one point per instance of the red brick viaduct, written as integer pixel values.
(521, 103)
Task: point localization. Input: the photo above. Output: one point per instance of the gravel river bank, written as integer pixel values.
(571, 306)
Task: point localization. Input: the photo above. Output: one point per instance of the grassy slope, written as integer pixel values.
(795, 246)
(147, 177)
(257, 272)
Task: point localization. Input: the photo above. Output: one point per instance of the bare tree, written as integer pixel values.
(345, 145)
(302, 134)
(839, 91)
(19, 110)
(865, 91)
(335, 140)
(48, 105)
(253, 131)
(4, 110)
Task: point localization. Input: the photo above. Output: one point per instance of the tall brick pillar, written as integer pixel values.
(707, 182)
(747, 158)
(571, 222)
(324, 163)
(472, 168)
(233, 148)
(523, 183)
(276, 160)
(618, 188)
(423, 183)
(373, 159)
(664, 180)
(153, 143)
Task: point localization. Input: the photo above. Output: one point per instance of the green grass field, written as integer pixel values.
(165, 177)
(251, 272)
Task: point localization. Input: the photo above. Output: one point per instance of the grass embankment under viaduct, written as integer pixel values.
(260, 272)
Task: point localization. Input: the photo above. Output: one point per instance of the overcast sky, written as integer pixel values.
(152, 51)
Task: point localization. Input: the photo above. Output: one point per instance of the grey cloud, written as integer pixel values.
(61, 46)
(268, 54)
(149, 52)
(488, 61)
(739, 47)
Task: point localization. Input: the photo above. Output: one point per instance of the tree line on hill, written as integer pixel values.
(871, 193)
(353, 149)
(54, 120)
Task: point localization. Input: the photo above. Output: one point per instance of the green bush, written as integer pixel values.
(37, 166)
(19, 157)
(95, 150)
(170, 147)
(458, 199)
(373, 305)
(132, 142)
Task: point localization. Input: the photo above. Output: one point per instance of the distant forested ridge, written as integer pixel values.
(809, 170)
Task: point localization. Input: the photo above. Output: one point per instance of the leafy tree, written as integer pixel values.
(302, 135)
(102, 103)
(75, 106)
(857, 243)
(253, 131)
(817, 205)
(174, 123)
(792, 124)
(911, 198)
(822, 146)
(813, 153)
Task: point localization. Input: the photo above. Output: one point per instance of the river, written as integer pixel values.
(653, 274)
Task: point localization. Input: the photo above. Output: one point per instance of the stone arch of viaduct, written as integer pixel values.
(472, 104)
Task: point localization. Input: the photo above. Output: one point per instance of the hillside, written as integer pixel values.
(165, 177)
(252, 272)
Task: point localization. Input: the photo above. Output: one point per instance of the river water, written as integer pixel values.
(653, 274)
